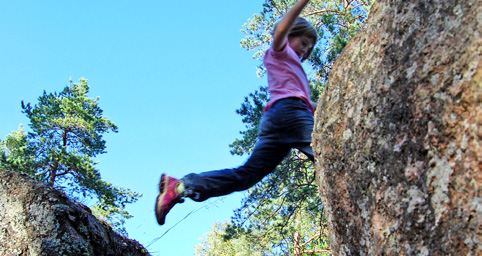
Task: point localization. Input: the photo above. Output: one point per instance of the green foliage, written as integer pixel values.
(111, 207)
(251, 110)
(16, 154)
(214, 244)
(286, 203)
(66, 134)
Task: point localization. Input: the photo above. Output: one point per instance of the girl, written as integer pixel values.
(287, 122)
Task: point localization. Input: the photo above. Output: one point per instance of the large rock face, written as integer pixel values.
(397, 133)
(38, 220)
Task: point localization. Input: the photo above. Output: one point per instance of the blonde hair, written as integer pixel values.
(302, 27)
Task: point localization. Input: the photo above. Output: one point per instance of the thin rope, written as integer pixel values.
(185, 217)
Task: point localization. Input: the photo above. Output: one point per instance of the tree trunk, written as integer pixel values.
(296, 246)
(397, 133)
(53, 172)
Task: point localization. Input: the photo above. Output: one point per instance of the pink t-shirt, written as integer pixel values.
(286, 77)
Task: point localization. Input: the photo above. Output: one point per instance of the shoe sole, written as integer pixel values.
(163, 191)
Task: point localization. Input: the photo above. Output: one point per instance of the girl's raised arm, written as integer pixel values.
(283, 27)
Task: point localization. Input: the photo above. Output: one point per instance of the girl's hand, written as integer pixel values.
(313, 105)
(283, 27)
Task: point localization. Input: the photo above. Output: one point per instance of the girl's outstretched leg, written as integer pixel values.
(201, 186)
(264, 159)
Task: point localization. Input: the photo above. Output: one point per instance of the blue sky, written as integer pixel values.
(170, 74)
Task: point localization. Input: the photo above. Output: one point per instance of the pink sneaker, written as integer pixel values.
(167, 197)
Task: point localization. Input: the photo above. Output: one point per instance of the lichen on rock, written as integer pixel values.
(397, 133)
(36, 219)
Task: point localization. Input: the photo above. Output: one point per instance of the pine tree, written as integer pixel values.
(66, 135)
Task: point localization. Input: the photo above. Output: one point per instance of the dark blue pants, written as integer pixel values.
(287, 124)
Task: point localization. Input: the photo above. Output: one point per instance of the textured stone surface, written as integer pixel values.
(38, 220)
(397, 133)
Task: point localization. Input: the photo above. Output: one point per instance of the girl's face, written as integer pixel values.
(300, 44)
